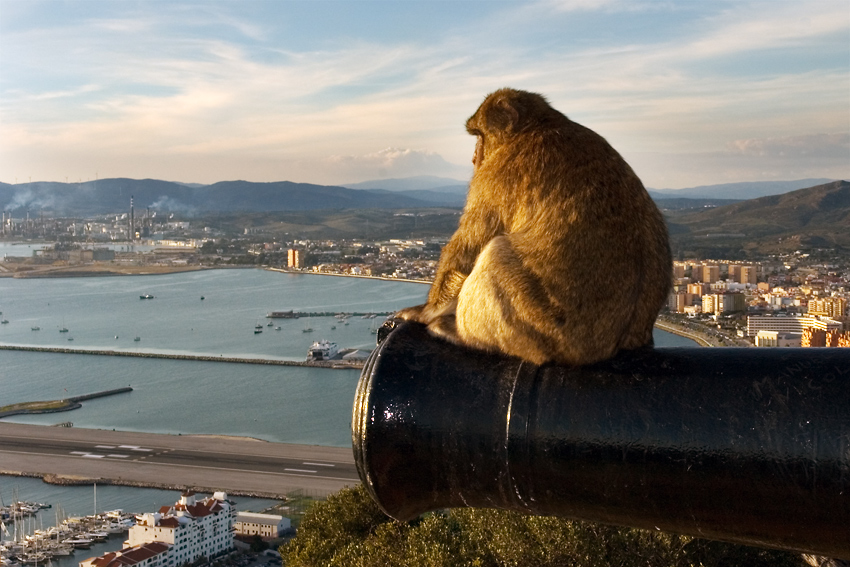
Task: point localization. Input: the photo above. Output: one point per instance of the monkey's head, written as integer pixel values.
(506, 114)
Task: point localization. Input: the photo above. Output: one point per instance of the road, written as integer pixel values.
(237, 465)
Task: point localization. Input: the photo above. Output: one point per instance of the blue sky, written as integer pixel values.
(690, 92)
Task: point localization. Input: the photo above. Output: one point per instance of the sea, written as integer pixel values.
(209, 312)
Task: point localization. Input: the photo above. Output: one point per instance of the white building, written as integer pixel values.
(191, 527)
(789, 324)
(264, 525)
(777, 339)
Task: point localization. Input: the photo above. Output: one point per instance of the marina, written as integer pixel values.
(82, 506)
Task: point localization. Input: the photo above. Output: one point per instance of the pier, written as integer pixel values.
(54, 406)
(333, 364)
(301, 314)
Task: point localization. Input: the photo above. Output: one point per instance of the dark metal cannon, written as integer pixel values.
(743, 445)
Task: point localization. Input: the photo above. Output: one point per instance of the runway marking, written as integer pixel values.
(119, 456)
(319, 464)
(93, 456)
(128, 446)
(104, 446)
(299, 470)
(79, 452)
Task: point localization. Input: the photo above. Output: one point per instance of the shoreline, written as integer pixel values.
(80, 480)
(674, 329)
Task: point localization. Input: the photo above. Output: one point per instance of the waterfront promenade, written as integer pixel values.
(241, 466)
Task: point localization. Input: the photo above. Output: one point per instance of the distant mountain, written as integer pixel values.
(416, 183)
(817, 217)
(681, 204)
(113, 196)
(738, 191)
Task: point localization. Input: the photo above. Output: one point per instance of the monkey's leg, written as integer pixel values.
(503, 307)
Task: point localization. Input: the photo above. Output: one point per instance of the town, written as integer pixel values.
(791, 299)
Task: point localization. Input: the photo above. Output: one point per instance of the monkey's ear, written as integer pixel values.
(503, 115)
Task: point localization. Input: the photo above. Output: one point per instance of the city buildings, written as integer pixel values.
(790, 324)
(176, 535)
(263, 525)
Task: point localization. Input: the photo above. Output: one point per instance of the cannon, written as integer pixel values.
(749, 446)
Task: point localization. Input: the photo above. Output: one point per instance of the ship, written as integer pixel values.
(322, 350)
(146, 296)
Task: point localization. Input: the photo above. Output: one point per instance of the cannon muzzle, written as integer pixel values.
(743, 445)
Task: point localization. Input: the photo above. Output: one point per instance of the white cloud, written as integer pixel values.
(396, 162)
(810, 146)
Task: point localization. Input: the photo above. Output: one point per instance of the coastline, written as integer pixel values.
(670, 327)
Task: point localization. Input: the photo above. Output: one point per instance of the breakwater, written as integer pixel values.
(332, 364)
(56, 406)
(300, 314)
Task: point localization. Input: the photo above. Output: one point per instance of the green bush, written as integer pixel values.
(349, 530)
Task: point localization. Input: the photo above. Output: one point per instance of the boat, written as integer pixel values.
(79, 542)
(322, 350)
(63, 330)
(202, 298)
(35, 328)
(4, 322)
(277, 328)
(146, 296)
(270, 324)
(282, 315)
(307, 330)
(137, 339)
(257, 331)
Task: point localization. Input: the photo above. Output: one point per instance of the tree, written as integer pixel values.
(350, 530)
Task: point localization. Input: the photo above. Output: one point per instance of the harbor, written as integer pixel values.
(31, 545)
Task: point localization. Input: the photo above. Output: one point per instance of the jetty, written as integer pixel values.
(332, 364)
(54, 406)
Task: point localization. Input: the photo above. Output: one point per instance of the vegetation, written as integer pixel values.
(36, 406)
(348, 529)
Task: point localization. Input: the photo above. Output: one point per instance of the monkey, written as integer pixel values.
(560, 255)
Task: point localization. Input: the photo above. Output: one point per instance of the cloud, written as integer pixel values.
(157, 88)
(396, 162)
(822, 146)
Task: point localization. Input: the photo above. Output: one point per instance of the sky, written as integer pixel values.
(689, 92)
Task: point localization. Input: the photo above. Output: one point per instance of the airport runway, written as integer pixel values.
(237, 465)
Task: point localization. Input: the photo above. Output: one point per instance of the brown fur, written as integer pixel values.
(560, 255)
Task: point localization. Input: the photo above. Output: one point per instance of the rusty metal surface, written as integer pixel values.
(743, 445)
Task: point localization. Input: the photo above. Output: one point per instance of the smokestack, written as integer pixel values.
(132, 221)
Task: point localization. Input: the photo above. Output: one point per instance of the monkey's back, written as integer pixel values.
(588, 232)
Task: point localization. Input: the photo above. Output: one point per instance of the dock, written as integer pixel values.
(332, 364)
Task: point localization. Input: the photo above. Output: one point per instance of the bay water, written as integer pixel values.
(275, 403)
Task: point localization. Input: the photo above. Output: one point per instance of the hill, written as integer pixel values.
(107, 196)
(415, 183)
(738, 191)
(815, 217)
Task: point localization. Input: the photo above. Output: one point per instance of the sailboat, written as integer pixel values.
(63, 328)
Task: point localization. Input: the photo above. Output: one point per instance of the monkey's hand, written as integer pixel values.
(411, 313)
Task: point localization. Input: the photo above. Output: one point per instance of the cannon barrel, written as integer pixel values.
(743, 445)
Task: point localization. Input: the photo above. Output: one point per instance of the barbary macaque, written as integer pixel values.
(561, 255)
